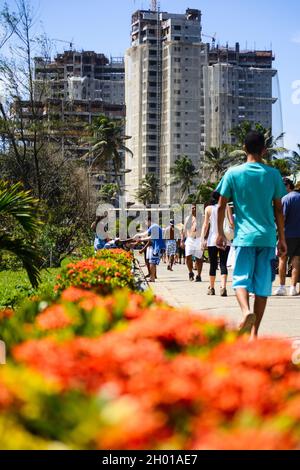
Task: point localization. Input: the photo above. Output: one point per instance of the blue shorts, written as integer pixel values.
(254, 269)
(98, 243)
(171, 247)
(154, 258)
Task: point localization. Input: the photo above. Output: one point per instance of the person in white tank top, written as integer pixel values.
(213, 225)
(210, 227)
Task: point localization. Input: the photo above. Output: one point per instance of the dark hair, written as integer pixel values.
(289, 182)
(255, 143)
(214, 198)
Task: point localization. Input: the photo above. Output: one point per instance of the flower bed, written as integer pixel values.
(108, 271)
(126, 371)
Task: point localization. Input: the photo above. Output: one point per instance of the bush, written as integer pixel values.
(9, 261)
(151, 377)
(109, 270)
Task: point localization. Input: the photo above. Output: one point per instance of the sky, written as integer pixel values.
(104, 26)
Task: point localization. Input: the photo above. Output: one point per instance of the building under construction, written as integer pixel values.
(85, 76)
(69, 92)
(238, 86)
(184, 96)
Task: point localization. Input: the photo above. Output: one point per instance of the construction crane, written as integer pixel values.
(213, 38)
(71, 43)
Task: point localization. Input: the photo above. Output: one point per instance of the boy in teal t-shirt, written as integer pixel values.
(256, 191)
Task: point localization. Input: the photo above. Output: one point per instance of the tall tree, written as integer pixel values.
(25, 133)
(8, 28)
(107, 143)
(30, 145)
(19, 205)
(272, 143)
(217, 161)
(240, 131)
(149, 190)
(184, 175)
(283, 165)
(108, 192)
(202, 193)
(22, 130)
(295, 162)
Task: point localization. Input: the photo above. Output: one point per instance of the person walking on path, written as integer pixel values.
(181, 246)
(256, 191)
(154, 234)
(171, 235)
(99, 230)
(291, 211)
(211, 226)
(192, 232)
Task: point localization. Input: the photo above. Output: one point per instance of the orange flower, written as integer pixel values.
(6, 313)
(52, 318)
(245, 439)
(6, 397)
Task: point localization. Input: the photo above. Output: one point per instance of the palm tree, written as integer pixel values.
(202, 193)
(240, 131)
(217, 161)
(272, 143)
(295, 163)
(283, 165)
(108, 192)
(184, 174)
(106, 141)
(22, 207)
(148, 192)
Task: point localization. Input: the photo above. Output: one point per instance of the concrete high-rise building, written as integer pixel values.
(238, 87)
(164, 95)
(183, 96)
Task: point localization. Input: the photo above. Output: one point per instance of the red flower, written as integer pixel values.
(245, 439)
(6, 397)
(6, 313)
(53, 318)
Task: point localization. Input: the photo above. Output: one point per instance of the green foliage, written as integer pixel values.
(202, 193)
(149, 190)
(8, 261)
(103, 274)
(60, 241)
(15, 287)
(295, 162)
(240, 132)
(108, 192)
(107, 141)
(217, 161)
(19, 205)
(184, 175)
(284, 165)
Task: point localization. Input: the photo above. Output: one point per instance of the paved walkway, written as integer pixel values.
(282, 316)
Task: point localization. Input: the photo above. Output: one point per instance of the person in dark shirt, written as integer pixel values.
(291, 211)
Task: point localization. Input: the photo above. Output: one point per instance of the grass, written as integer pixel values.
(15, 286)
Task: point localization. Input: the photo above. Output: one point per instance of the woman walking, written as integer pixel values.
(211, 224)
